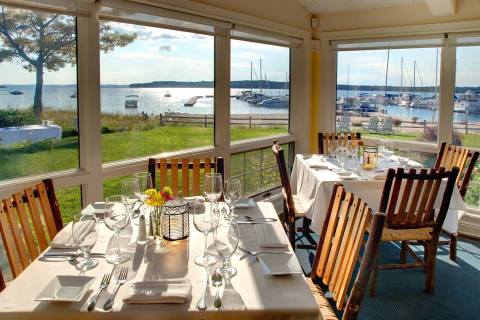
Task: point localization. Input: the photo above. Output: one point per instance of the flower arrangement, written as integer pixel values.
(158, 198)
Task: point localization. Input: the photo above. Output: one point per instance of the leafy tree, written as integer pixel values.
(46, 41)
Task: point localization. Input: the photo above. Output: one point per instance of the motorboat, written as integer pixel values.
(167, 95)
(16, 92)
(131, 101)
(275, 102)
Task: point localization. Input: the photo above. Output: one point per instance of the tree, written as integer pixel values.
(46, 41)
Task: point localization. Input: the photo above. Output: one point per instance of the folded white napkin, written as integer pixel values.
(162, 291)
(64, 239)
(380, 174)
(270, 237)
(317, 162)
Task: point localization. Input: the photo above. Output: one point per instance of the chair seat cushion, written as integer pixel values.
(299, 211)
(405, 234)
(324, 306)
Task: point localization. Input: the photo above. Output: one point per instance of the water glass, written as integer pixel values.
(144, 182)
(213, 187)
(226, 243)
(205, 221)
(341, 154)
(131, 195)
(117, 218)
(84, 235)
(233, 193)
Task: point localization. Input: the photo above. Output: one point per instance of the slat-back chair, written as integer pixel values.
(173, 167)
(448, 157)
(408, 199)
(28, 222)
(292, 206)
(339, 250)
(342, 137)
(344, 124)
(372, 124)
(387, 125)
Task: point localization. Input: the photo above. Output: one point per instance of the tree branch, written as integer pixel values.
(13, 43)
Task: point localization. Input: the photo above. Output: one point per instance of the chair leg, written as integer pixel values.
(403, 252)
(373, 277)
(453, 247)
(431, 259)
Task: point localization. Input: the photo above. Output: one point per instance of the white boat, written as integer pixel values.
(468, 102)
(131, 101)
(167, 95)
(276, 102)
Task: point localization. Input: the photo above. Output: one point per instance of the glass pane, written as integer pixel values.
(260, 90)
(38, 99)
(389, 93)
(161, 98)
(257, 169)
(70, 200)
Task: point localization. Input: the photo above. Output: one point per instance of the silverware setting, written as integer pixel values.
(217, 282)
(253, 219)
(256, 253)
(122, 278)
(60, 256)
(201, 304)
(103, 285)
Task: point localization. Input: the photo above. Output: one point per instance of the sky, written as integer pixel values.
(162, 54)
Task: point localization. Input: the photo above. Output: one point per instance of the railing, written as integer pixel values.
(250, 121)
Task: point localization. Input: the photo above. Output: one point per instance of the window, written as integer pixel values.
(156, 91)
(38, 93)
(389, 92)
(260, 90)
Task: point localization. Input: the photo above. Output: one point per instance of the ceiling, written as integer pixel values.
(437, 7)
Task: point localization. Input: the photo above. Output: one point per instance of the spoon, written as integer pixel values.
(217, 281)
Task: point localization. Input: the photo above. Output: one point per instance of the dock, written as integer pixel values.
(191, 102)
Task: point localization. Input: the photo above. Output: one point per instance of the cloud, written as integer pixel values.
(165, 47)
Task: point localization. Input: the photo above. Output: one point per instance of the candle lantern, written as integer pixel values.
(370, 157)
(175, 219)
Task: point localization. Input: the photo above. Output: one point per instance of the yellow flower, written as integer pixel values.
(168, 191)
(154, 198)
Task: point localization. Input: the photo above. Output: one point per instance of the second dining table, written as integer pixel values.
(314, 176)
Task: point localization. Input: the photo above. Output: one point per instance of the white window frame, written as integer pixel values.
(92, 173)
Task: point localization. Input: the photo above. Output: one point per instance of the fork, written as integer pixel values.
(256, 253)
(250, 218)
(103, 285)
(122, 278)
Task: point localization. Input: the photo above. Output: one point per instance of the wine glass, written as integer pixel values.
(144, 182)
(84, 235)
(233, 193)
(131, 195)
(403, 157)
(341, 155)
(205, 221)
(213, 186)
(226, 243)
(331, 146)
(116, 219)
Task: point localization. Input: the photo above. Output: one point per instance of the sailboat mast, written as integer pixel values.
(261, 76)
(386, 72)
(348, 81)
(414, 73)
(401, 76)
(251, 76)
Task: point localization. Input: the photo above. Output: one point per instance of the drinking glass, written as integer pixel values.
(84, 234)
(226, 243)
(403, 156)
(131, 195)
(205, 221)
(213, 186)
(144, 182)
(233, 193)
(341, 155)
(331, 146)
(117, 218)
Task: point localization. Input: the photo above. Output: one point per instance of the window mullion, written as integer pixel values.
(447, 92)
(89, 107)
(222, 96)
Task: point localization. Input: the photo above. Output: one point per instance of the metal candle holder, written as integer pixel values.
(175, 220)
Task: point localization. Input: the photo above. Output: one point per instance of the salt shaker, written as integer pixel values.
(142, 229)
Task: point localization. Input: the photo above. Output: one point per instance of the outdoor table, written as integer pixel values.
(251, 291)
(313, 185)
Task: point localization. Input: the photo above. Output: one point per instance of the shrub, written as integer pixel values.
(106, 129)
(397, 122)
(16, 118)
(69, 133)
(431, 134)
(356, 124)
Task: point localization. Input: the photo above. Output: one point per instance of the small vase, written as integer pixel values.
(157, 212)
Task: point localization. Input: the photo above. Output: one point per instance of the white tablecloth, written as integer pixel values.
(31, 133)
(250, 289)
(314, 187)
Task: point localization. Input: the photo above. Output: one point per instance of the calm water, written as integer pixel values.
(151, 100)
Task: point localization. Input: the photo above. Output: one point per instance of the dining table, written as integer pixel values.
(314, 176)
(250, 293)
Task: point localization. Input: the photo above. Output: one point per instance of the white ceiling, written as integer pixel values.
(329, 6)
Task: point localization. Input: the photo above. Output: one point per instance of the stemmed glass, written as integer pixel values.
(233, 193)
(144, 182)
(331, 147)
(131, 195)
(403, 157)
(205, 221)
(226, 243)
(341, 155)
(116, 219)
(85, 234)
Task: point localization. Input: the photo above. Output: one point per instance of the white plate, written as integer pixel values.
(95, 208)
(245, 203)
(344, 174)
(280, 264)
(66, 288)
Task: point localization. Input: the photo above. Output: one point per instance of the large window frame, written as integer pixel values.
(92, 172)
(430, 35)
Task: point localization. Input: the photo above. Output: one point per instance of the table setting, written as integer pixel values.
(150, 252)
(362, 171)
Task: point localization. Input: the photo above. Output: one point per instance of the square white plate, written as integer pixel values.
(280, 264)
(66, 288)
(244, 203)
(97, 208)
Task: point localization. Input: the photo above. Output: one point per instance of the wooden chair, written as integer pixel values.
(28, 222)
(344, 123)
(454, 156)
(339, 250)
(292, 206)
(174, 167)
(372, 125)
(413, 217)
(343, 137)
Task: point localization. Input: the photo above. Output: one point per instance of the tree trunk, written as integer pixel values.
(37, 100)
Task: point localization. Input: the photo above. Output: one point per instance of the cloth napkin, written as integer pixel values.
(162, 291)
(64, 239)
(380, 174)
(270, 237)
(317, 162)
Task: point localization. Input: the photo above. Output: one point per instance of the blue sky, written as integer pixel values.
(161, 54)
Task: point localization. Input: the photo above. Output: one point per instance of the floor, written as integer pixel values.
(400, 292)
